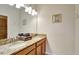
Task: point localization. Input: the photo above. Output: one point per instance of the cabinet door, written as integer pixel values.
(43, 48)
(39, 50)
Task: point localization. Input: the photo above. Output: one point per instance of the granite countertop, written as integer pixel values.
(18, 45)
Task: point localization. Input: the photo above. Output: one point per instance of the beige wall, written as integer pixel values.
(61, 36)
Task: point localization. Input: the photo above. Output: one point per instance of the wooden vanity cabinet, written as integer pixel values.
(37, 48)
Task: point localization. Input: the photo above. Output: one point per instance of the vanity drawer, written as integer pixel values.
(41, 41)
(26, 50)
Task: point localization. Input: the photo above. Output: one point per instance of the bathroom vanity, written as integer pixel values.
(35, 46)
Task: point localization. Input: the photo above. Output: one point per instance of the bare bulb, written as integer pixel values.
(35, 13)
(26, 9)
(30, 8)
(17, 6)
(29, 12)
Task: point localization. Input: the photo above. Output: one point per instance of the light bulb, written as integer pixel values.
(17, 6)
(29, 12)
(26, 9)
(33, 10)
(35, 13)
(30, 8)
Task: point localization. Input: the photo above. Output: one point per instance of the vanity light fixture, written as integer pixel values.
(27, 7)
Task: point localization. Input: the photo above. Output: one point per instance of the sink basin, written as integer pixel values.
(16, 44)
(11, 46)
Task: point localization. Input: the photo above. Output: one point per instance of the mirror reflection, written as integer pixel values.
(16, 19)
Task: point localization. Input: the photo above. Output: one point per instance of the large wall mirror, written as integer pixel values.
(16, 21)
